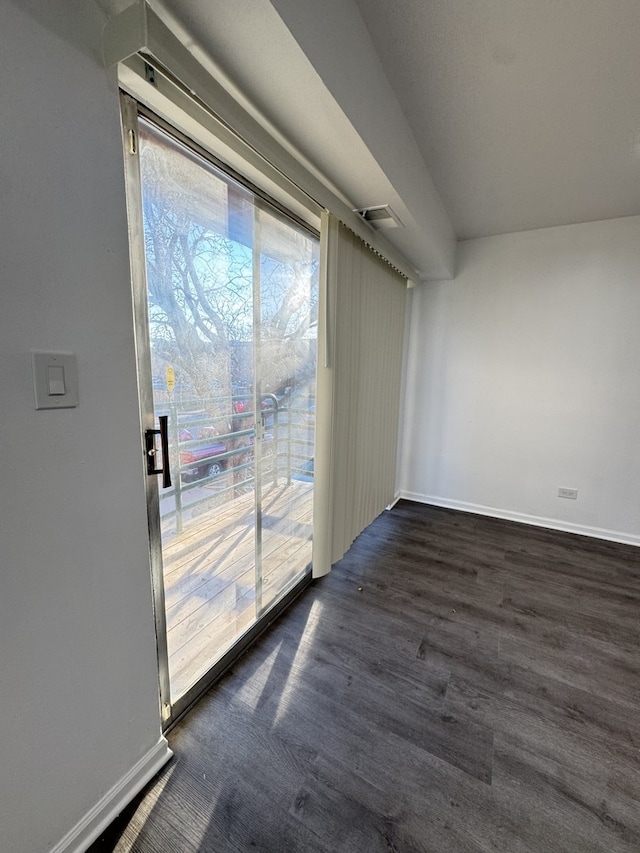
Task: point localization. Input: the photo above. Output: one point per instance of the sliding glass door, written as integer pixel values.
(227, 319)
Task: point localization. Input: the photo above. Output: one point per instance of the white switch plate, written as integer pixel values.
(65, 361)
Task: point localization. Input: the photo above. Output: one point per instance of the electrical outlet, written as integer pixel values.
(572, 494)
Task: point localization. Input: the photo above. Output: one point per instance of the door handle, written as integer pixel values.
(151, 452)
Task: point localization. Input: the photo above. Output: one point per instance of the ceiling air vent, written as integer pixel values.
(380, 216)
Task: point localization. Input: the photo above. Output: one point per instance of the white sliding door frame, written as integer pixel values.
(358, 404)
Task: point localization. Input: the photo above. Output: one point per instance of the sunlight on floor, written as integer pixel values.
(299, 661)
(144, 812)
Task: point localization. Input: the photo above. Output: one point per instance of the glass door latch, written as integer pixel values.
(151, 451)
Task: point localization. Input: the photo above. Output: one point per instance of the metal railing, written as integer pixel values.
(212, 446)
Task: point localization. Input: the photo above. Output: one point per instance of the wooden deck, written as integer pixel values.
(212, 591)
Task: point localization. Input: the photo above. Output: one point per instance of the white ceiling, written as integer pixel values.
(491, 116)
(527, 112)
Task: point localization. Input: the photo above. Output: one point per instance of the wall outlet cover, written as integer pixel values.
(572, 494)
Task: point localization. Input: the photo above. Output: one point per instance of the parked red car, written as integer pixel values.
(201, 455)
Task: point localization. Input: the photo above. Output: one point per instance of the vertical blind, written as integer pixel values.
(362, 314)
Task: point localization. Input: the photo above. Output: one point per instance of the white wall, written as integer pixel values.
(524, 376)
(79, 703)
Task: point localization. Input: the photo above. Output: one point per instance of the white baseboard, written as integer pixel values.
(523, 518)
(395, 500)
(85, 832)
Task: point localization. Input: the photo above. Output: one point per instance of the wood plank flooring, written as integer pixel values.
(458, 684)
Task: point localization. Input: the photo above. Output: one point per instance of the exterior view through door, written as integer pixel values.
(227, 352)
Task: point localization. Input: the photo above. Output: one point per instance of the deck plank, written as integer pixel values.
(209, 573)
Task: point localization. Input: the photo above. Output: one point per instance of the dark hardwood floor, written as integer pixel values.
(458, 683)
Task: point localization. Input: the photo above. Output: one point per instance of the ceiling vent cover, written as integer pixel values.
(380, 216)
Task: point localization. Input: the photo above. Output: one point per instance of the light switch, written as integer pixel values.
(55, 379)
